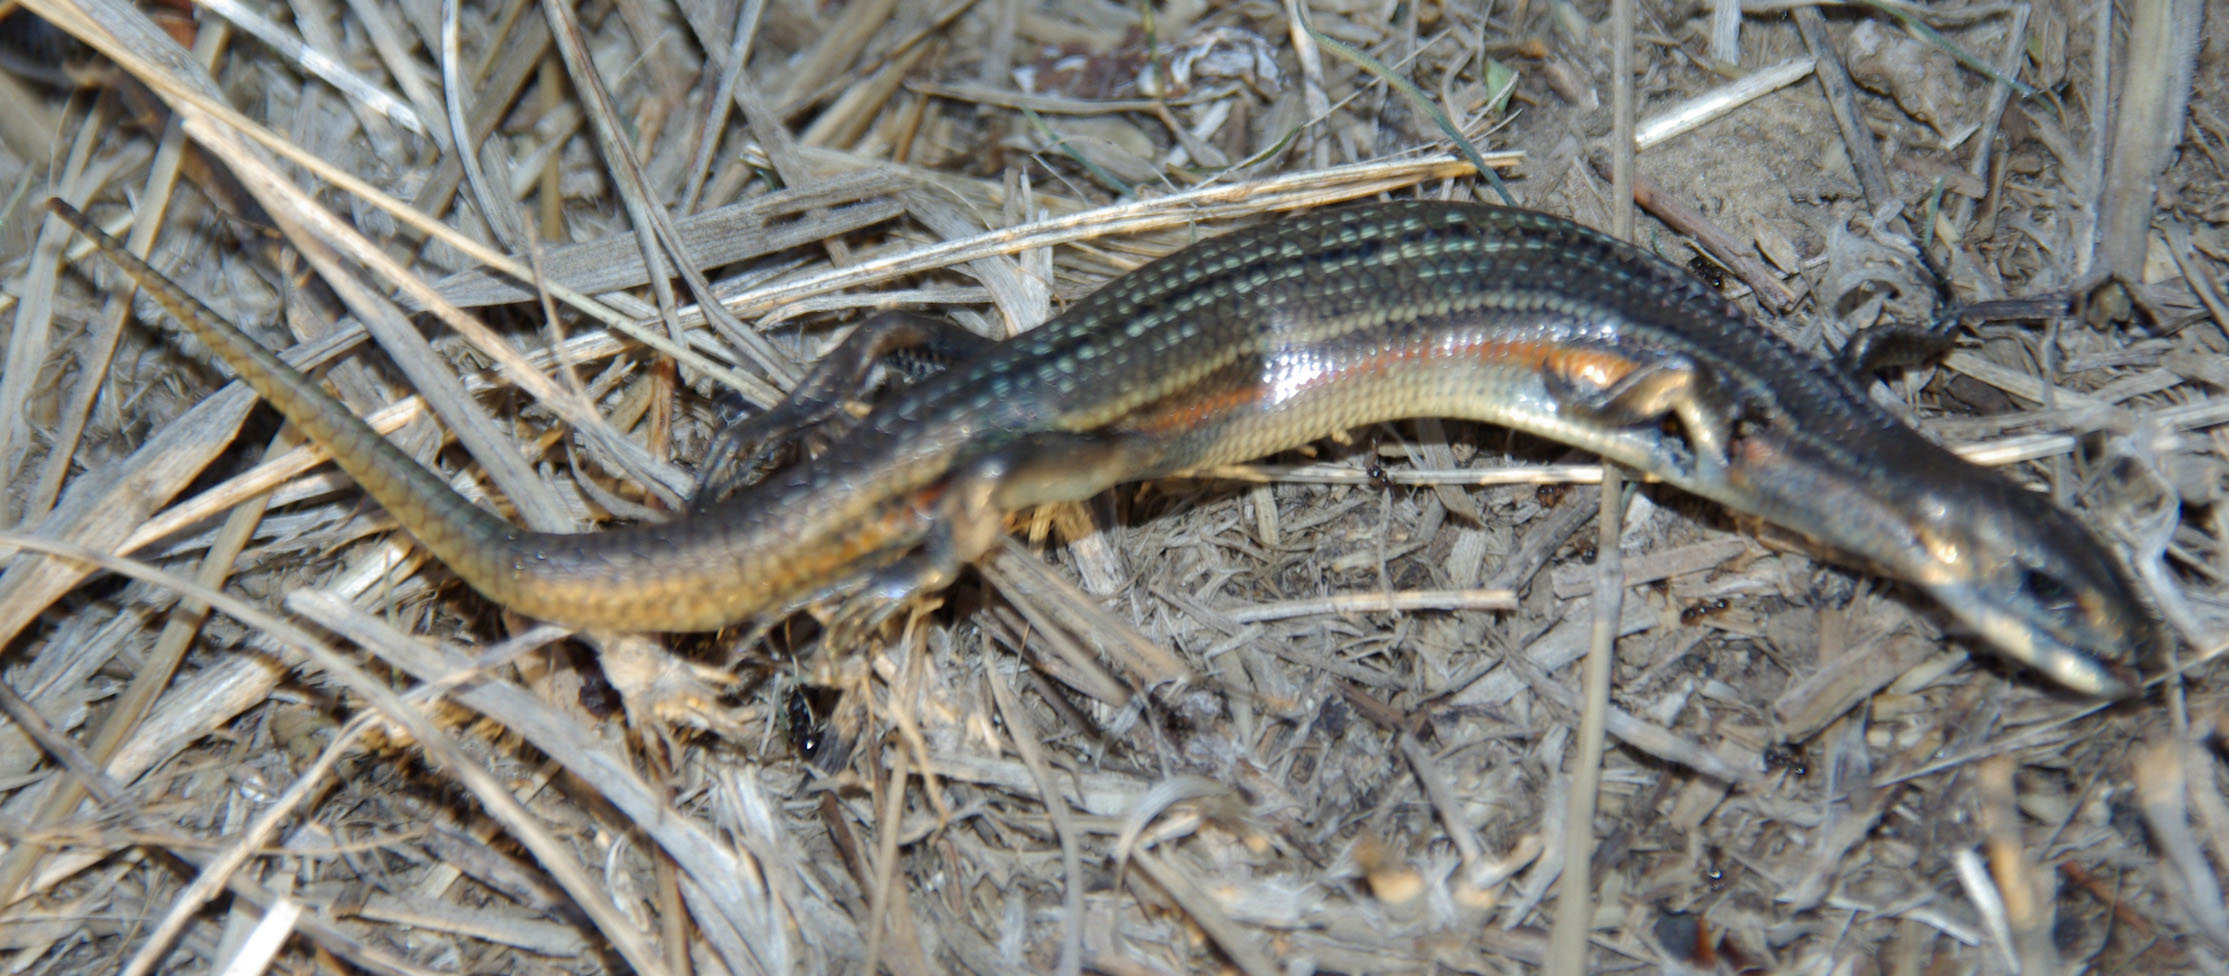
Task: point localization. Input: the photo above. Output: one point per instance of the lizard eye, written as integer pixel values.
(2045, 589)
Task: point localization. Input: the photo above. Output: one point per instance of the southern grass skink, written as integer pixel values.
(1263, 340)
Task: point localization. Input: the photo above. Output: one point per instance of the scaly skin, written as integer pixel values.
(1266, 339)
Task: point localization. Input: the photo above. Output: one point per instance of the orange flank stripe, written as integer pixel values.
(1188, 413)
(1596, 368)
(901, 520)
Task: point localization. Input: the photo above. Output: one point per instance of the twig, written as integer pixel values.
(1857, 139)
(1567, 941)
(1687, 220)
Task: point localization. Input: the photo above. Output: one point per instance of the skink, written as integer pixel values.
(1267, 339)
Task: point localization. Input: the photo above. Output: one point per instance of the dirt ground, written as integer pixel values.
(1319, 713)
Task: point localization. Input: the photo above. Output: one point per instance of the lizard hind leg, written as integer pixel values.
(831, 399)
(967, 514)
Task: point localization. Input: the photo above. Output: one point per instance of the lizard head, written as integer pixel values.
(2035, 582)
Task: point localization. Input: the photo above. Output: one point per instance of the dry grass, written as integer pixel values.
(1292, 717)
